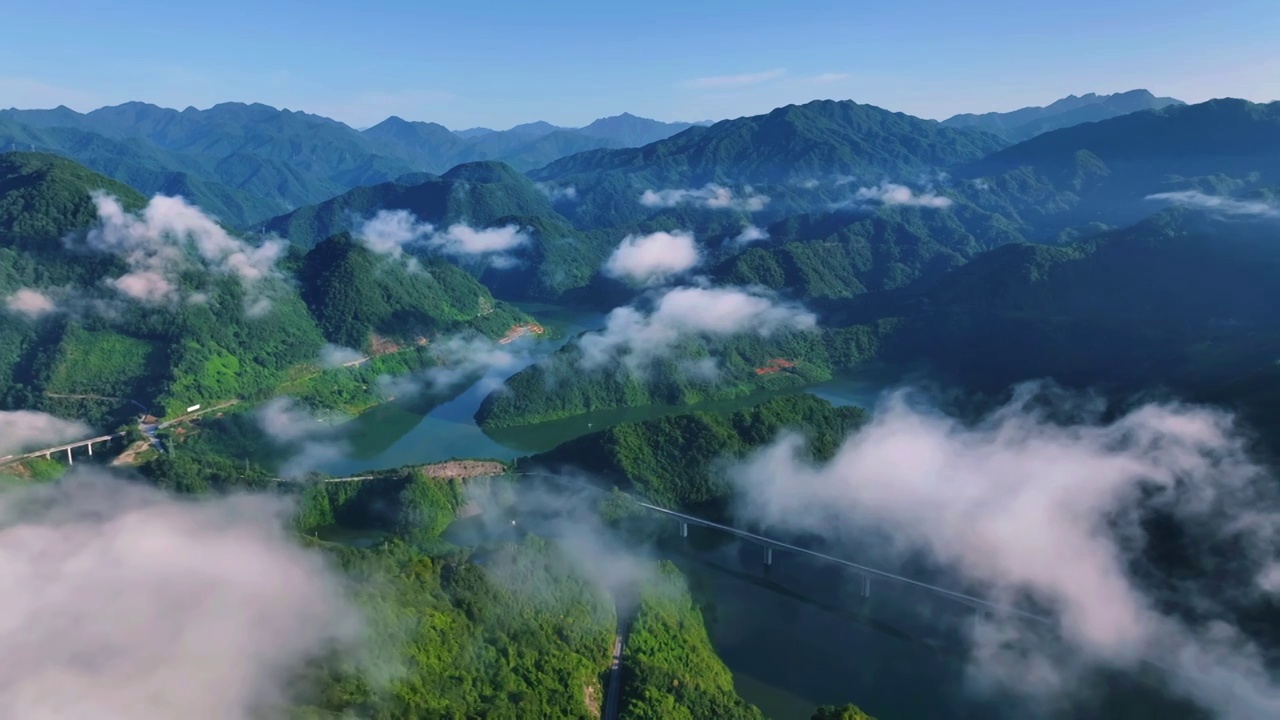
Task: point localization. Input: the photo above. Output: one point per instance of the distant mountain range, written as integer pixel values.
(1071, 110)
(245, 162)
(248, 162)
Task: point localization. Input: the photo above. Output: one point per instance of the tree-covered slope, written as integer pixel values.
(673, 460)
(696, 370)
(480, 194)
(1104, 172)
(222, 189)
(44, 197)
(670, 669)
(354, 293)
(1184, 298)
(842, 254)
(796, 142)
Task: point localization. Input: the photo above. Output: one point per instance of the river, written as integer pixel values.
(397, 434)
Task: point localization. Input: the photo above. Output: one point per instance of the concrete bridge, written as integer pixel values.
(67, 448)
(867, 574)
(148, 430)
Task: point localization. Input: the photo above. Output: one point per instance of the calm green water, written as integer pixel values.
(398, 434)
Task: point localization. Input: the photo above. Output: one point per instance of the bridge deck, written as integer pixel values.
(960, 597)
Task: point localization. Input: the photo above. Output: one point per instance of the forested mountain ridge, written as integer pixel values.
(797, 142)
(1028, 122)
(480, 194)
(139, 164)
(1107, 172)
(1185, 298)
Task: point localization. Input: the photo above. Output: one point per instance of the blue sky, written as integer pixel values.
(498, 63)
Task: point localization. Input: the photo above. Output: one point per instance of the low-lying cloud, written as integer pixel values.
(311, 442)
(31, 304)
(711, 196)
(638, 337)
(168, 237)
(750, 234)
(1027, 506)
(1217, 203)
(393, 232)
(463, 359)
(558, 193)
(335, 356)
(893, 194)
(653, 258)
(27, 430)
(123, 602)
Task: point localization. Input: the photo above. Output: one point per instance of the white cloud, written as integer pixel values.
(27, 430)
(1229, 206)
(733, 81)
(166, 238)
(556, 193)
(333, 356)
(1025, 506)
(653, 258)
(894, 194)
(826, 78)
(31, 304)
(462, 239)
(392, 232)
(750, 234)
(312, 442)
(639, 337)
(712, 196)
(463, 359)
(123, 602)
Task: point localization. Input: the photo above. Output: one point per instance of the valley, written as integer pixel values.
(452, 380)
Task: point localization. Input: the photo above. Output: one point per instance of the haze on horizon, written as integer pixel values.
(502, 63)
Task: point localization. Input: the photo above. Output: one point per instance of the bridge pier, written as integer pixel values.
(684, 529)
(866, 586)
(69, 460)
(768, 556)
(90, 449)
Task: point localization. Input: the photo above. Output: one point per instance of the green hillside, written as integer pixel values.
(478, 193)
(796, 142)
(136, 163)
(672, 460)
(353, 293)
(560, 386)
(43, 198)
(88, 353)
(1102, 172)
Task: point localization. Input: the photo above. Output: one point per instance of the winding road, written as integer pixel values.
(613, 692)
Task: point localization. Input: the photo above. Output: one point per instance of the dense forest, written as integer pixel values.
(82, 350)
(975, 253)
(674, 461)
